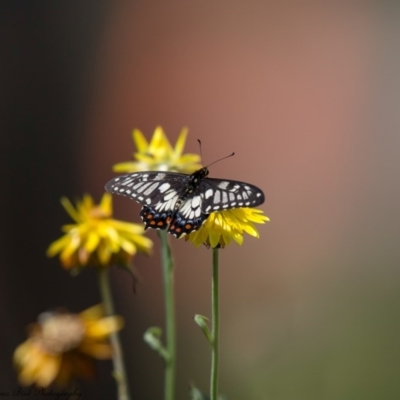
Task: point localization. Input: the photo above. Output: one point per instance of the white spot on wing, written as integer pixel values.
(167, 205)
(258, 194)
(224, 197)
(170, 195)
(164, 187)
(196, 201)
(184, 206)
(137, 185)
(145, 186)
(209, 193)
(150, 189)
(217, 196)
(223, 185)
(160, 176)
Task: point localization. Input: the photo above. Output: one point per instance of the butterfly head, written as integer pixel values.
(199, 175)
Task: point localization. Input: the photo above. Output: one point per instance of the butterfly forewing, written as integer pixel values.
(148, 188)
(220, 194)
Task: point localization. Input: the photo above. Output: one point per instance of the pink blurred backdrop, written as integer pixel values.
(306, 94)
(293, 88)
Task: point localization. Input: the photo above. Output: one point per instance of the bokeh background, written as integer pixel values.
(306, 93)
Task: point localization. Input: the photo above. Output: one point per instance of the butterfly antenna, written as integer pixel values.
(201, 154)
(223, 158)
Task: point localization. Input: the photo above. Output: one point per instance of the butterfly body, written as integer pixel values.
(181, 203)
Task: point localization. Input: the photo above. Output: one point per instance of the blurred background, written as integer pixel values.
(305, 93)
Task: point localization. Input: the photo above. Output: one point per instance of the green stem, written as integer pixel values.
(118, 359)
(168, 277)
(215, 329)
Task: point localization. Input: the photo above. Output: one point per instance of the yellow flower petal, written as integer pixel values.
(159, 143)
(180, 143)
(126, 167)
(48, 371)
(61, 346)
(142, 243)
(159, 155)
(91, 242)
(140, 141)
(104, 254)
(147, 158)
(104, 326)
(128, 247)
(70, 209)
(106, 204)
(71, 247)
(223, 226)
(57, 246)
(127, 227)
(93, 313)
(97, 239)
(101, 351)
(190, 159)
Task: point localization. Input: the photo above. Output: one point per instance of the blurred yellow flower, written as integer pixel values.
(96, 239)
(222, 226)
(62, 346)
(158, 155)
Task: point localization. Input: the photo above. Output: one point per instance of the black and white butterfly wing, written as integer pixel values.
(222, 194)
(158, 193)
(148, 188)
(181, 203)
(209, 196)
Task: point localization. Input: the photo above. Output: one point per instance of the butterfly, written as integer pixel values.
(181, 203)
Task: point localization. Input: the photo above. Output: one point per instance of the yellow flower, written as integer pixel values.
(159, 154)
(95, 238)
(62, 345)
(222, 226)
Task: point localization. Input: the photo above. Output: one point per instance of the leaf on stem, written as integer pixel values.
(152, 337)
(197, 394)
(201, 321)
